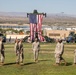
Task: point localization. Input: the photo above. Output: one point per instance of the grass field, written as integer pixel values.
(44, 66)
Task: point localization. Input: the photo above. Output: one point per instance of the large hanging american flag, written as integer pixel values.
(35, 26)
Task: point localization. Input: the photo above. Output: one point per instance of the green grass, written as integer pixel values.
(44, 66)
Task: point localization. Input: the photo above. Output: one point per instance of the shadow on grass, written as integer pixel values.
(10, 63)
(35, 62)
(29, 63)
(69, 64)
(44, 60)
(13, 63)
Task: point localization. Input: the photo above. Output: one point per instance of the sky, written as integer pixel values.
(46, 6)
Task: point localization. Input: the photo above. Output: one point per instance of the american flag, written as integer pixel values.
(35, 26)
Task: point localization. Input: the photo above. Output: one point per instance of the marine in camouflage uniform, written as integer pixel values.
(2, 51)
(19, 51)
(59, 50)
(36, 49)
(75, 56)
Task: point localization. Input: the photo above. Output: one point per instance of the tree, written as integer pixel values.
(72, 34)
(27, 32)
(71, 37)
(21, 30)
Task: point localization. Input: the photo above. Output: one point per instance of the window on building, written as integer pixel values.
(54, 34)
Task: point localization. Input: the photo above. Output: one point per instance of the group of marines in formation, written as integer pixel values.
(18, 47)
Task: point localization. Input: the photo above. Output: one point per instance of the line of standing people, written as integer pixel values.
(18, 47)
(20, 51)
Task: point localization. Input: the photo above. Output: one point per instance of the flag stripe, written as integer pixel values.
(40, 26)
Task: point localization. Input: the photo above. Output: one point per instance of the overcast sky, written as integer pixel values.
(48, 6)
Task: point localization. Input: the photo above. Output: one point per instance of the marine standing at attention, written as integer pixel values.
(36, 49)
(59, 50)
(19, 51)
(2, 51)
